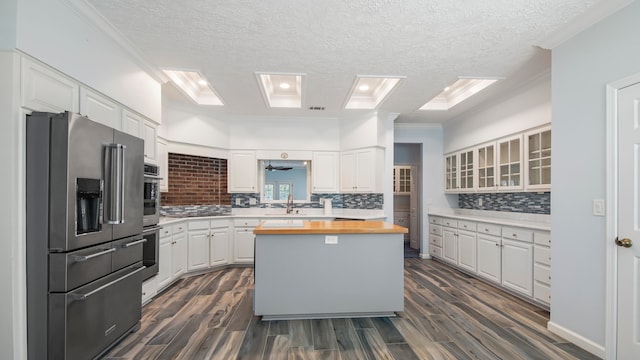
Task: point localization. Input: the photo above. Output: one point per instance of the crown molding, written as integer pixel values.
(89, 14)
(401, 125)
(591, 16)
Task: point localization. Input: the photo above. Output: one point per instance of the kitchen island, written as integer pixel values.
(328, 269)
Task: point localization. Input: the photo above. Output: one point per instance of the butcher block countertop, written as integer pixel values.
(291, 227)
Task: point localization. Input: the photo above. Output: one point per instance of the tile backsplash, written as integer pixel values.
(523, 202)
(338, 201)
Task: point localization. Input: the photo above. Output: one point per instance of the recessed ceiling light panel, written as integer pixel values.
(369, 91)
(193, 85)
(281, 90)
(462, 89)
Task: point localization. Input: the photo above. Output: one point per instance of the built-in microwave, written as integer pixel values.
(151, 208)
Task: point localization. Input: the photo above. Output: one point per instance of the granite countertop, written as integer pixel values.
(530, 221)
(304, 214)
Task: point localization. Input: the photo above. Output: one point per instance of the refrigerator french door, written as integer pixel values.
(84, 195)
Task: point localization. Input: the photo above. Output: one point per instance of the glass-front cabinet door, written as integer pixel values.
(466, 170)
(510, 163)
(402, 179)
(538, 147)
(486, 167)
(451, 173)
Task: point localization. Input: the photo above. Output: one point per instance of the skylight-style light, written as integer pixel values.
(369, 91)
(193, 85)
(281, 90)
(462, 89)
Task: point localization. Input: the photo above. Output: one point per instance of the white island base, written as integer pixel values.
(300, 276)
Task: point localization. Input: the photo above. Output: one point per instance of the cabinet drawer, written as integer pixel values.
(517, 234)
(542, 255)
(435, 251)
(466, 225)
(450, 222)
(490, 229)
(198, 224)
(219, 223)
(542, 293)
(542, 273)
(246, 222)
(435, 240)
(542, 238)
(435, 220)
(166, 231)
(179, 228)
(435, 229)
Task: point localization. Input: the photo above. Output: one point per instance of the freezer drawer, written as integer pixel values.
(95, 315)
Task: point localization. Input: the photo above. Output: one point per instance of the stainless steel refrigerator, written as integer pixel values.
(84, 192)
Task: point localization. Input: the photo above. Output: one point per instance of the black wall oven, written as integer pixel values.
(151, 218)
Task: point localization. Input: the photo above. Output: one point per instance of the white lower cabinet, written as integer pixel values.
(450, 243)
(198, 248)
(489, 258)
(172, 254)
(518, 259)
(467, 245)
(149, 288)
(243, 240)
(542, 267)
(219, 246)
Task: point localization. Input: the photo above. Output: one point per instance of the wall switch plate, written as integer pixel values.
(598, 207)
(330, 239)
(238, 201)
(252, 201)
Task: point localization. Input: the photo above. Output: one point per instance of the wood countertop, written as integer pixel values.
(329, 227)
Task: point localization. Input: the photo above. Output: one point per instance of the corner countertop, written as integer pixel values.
(530, 221)
(331, 227)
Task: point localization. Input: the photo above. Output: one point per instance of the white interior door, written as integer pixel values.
(628, 296)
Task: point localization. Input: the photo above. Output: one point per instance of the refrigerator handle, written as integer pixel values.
(114, 183)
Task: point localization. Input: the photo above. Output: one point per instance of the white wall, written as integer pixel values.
(581, 67)
(54, 33)
(12, 210)
(189, 125)
(359, 131)
(8, 12)
(276, 133)
(526, 107)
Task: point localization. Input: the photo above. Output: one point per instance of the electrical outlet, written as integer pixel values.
(330, 239)
(238, 201)
(252, 201)
(479, 201)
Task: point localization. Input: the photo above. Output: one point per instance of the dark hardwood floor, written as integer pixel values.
(448, 315)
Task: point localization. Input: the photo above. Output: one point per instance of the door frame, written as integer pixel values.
(611, 218)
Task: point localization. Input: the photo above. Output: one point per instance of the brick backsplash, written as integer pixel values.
(196, 180)
(525, 202)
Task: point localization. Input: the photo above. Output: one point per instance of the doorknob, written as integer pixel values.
(626, 242)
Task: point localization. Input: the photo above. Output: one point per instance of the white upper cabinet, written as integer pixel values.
(100, 108)
(538, 154)
(451, 173)
(242, 172)
(150, 141)
(486, 168)
(466, 170)
(324, 172)
(43, 89)
(132, 123)
(360, 170)
(402, 180)
(510, 163)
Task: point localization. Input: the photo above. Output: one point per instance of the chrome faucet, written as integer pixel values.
(290, 204)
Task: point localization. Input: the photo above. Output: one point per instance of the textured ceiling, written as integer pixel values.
(431, 42)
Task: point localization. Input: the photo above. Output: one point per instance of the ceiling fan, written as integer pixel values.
(272, 168)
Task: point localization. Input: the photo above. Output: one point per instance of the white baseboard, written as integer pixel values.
(425, 256)
(576, 339)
